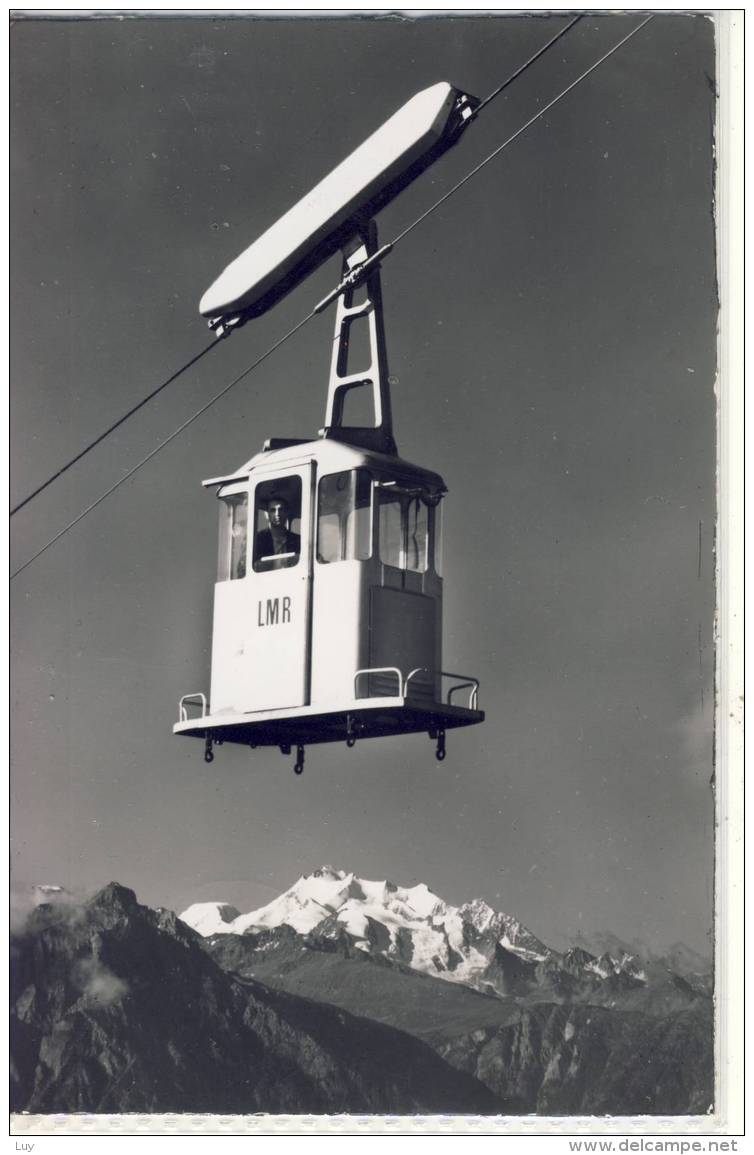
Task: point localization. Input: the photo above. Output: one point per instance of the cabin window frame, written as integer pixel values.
(359, 544)
(407, 494)
(437, 529)
(267, 563)
(228, 497)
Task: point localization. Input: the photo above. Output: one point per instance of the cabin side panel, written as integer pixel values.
(340, 634)
(404, 632)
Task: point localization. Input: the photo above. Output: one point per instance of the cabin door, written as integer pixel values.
(280, 582)
(261, 649)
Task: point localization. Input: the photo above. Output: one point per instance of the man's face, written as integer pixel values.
(277, 512)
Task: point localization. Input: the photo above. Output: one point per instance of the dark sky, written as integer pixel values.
(552, 330)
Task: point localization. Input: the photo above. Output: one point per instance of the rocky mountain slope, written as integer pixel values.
(345, 995)
(549, 1032)
(471, 944)
(117, 1008)
(640, 1051)
(591, 1060)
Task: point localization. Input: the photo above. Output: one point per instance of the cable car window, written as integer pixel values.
(234, 517)
(417, 535)
(277, 524)
(438, 536)
(391, 529)
(344, 520)
(404, 530)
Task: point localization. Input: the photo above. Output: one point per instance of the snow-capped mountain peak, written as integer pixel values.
(471, 944)
(479, 913)
(508, 931)
(410, 924)
(305, 904)
(210, 917)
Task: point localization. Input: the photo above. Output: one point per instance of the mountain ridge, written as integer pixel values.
(120, 1007)
(117, 1007)
(472, 944)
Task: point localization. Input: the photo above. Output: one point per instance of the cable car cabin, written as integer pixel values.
(328, 604)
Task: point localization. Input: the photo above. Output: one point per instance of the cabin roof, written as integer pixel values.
(331, 455)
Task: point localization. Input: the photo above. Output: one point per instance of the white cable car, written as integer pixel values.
(328, 603)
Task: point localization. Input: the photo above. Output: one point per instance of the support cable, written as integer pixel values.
(515, 75)
(529, 123)
(409, 228)
(111, 429)
(139, 405)
(166, 441)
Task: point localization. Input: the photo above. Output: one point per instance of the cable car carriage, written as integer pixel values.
(328, 604)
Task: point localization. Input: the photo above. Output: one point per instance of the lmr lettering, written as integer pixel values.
(274, 611)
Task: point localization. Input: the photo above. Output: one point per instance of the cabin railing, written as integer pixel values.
(193, 700)
(378, 670)
(418, 670)
(462, 682)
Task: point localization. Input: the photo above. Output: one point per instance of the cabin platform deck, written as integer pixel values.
(311, 725)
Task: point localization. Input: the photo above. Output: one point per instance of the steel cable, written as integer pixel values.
(111, 429)
(121, 420)
(529, 123)
(515, 75)
(166, 441)
(409, 228)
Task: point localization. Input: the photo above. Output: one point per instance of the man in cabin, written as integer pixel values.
(277, 547)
